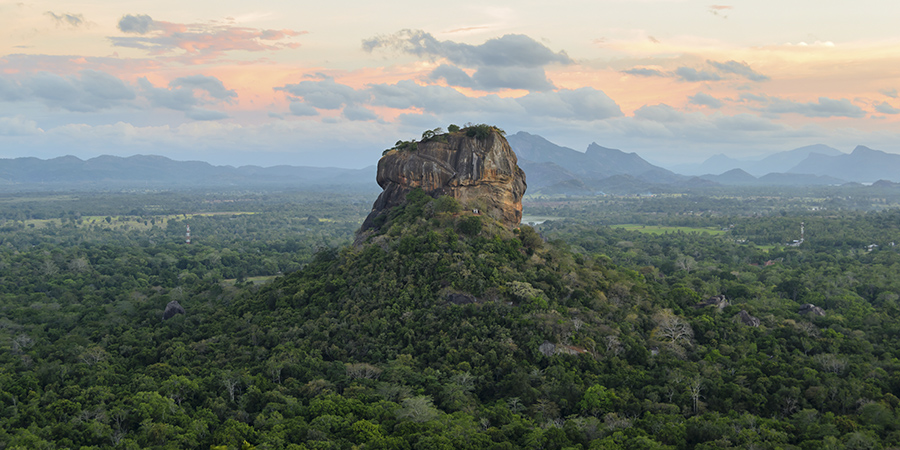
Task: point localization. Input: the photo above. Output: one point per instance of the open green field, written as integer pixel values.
(654, 229)
(128, 222)
(526, 219)
(255, 280)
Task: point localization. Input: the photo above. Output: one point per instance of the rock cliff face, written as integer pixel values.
(479, 172)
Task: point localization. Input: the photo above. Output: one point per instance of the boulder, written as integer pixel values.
(719, 301)
(809, 308)
(461, 299)
(747, 319)
(480, 172)
(171, 309)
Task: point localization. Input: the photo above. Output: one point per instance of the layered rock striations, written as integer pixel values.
(480, 172)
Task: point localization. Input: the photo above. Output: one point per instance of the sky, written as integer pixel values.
(335, 83)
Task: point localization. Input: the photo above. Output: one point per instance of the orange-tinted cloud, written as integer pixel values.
(199, 42)
(719, 10)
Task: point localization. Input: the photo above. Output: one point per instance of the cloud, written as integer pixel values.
(88, 91)
(892, 93)
(513, 61)
(324, 94)
(198, 41)
(719, 10)
(10, 90)
(814, 44)
(584, 104)
(754, 97)
(824, 107)
(579, 104)
(302, 109)
(177, 99)
(18, 126)
(507, 51)
(359, 113)
(466, 29)
(187, 94)
(205, 114)
(452, 75)
(494, 78)
(659, 113)
(705, 100)
(498, 78)
(140, 24)
(693, 75)
(643, 72)
(437, 99)
(886, 108)
(73, 20)
(212, 85)
(739, 68)
(663, 126)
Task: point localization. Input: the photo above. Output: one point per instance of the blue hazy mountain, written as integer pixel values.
(775, 163)
(547, 164)
(157, 172)
(863, 165)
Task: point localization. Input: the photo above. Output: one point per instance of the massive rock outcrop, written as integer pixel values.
(480, 172)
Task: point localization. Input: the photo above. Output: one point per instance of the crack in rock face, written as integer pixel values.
(481, 174)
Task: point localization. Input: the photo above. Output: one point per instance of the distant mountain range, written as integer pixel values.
(158, 172)
(863, 165)
(550, 170)
(553, 169)
(775, 163)
(813, 164)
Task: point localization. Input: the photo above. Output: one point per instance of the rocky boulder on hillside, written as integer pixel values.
(477, 169)
(172, 308)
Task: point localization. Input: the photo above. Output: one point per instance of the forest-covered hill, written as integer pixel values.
(444, 330)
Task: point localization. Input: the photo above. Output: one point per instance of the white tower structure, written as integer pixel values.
(187, 236)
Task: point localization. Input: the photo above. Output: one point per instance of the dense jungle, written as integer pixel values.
(702, 319)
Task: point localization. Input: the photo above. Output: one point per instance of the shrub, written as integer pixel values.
(447, 204)
(471, 225)
(481, 131)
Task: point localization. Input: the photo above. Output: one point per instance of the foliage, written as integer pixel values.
(481, 131)
(569, 334)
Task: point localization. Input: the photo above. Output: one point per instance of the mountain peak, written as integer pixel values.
(862, 149)
(597, 148)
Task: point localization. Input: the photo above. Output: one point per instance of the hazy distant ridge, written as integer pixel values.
(864, 165)
(161, 172)
(775, 163)
(554, 169)
(549, 168)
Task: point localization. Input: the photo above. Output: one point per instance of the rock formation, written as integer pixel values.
(172, 308)
(480, 172)
(809, 308)
(747, 319)
(719, 301)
